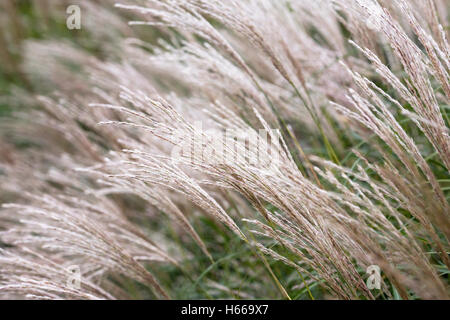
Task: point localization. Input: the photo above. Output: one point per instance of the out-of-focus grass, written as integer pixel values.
(237, 271)
(23, 20)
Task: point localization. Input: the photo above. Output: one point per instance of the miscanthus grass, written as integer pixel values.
(244, 149)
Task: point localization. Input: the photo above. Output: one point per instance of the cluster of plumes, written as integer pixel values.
(109, 130)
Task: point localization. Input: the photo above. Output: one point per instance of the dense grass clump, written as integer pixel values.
(210, 149)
